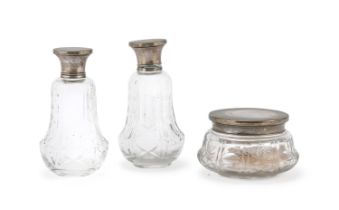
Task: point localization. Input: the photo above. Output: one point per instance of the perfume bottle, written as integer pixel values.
(73, 145)
(151, 137)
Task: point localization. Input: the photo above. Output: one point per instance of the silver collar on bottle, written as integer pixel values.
(148, 54)
(73, 61)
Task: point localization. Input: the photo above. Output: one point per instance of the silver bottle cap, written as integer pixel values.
(148, 54)
(73, 61)
(248, 121)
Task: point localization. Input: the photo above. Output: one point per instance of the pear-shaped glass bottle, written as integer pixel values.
(73, 144)
(151, 137)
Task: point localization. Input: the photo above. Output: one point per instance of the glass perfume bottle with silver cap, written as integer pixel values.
(248, 142)
(73, 144)
(151, 137)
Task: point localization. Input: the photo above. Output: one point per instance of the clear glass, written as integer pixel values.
(248, 156)
(73, 144)
(151, 137)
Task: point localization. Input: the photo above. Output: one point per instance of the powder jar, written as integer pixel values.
(248, 142)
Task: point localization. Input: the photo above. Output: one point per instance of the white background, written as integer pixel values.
(272, 54)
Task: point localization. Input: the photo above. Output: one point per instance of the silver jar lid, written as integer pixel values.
(73, 61)
(148, 53)
(248, 121)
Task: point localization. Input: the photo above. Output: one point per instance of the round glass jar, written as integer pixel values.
(248, 142)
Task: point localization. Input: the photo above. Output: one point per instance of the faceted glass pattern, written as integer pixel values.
(248, 156)
(73, 144)
(151, 137)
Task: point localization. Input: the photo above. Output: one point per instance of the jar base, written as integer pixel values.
(253, 175)
(232, 174)
(248, 156)
(62, 172)
(246, 174)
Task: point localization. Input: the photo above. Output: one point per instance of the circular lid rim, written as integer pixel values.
(143, 43)
(213, 116)
(72, 51)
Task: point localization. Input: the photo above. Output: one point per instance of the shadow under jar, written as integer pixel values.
(248, 142)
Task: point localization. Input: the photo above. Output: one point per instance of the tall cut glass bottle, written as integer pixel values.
(73, 145)
(151, 137)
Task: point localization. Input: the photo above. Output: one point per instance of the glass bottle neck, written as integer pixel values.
(73, 79)
(149, 69)
(73, 103)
